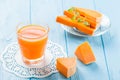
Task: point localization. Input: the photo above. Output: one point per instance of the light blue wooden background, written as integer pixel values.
(105, 47)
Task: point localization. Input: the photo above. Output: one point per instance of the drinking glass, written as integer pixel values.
(32, 40)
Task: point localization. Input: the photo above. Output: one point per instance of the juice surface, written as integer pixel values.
(32, 40)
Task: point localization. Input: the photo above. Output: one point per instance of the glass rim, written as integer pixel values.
(20, 26)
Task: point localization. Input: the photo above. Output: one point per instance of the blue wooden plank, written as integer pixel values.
(12, 13)
(97, 70)
(111, 40)
(45, 12)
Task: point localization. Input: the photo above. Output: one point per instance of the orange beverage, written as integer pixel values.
(32, 40)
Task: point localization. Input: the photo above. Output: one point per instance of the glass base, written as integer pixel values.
(34, 62)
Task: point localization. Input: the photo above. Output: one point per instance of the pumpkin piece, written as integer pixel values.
(84, 53)
(66, 66)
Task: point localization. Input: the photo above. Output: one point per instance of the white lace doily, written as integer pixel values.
(12, 62)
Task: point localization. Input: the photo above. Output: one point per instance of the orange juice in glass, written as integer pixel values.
(32, 40)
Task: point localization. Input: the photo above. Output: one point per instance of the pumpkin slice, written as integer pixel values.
(85, 29)
(65, 20)
(84, 53)
(89, 14)
(73, 23)
(93, 24)
(66, 66)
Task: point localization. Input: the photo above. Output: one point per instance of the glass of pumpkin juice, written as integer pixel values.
(32, 40)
